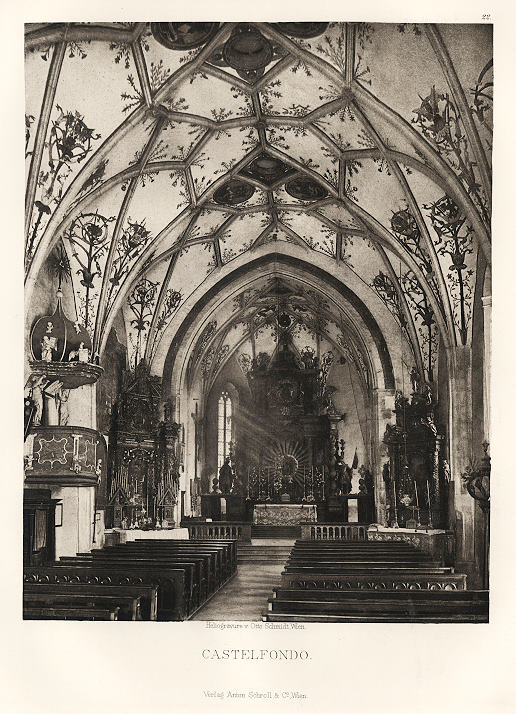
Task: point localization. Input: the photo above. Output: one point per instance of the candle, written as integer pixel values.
(415, 492)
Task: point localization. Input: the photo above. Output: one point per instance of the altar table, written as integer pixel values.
(284, 514)
(129, 534)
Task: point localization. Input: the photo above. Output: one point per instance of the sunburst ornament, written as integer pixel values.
(290, 458)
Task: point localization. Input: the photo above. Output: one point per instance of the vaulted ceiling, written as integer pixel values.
(258, 319)
(158, 154)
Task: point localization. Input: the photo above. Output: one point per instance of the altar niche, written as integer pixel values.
(285, 446)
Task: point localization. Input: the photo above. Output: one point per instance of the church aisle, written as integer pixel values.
(245, 597)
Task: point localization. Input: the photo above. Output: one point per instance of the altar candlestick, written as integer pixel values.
(429, 504)
(417, 501)
(395, 524)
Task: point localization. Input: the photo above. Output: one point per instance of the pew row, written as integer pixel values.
(378, 606)
(147, 595)
(69, 613)
(175, 577)
(371, 582)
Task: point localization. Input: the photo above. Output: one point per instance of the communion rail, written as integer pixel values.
(333, 531)
(219, 530)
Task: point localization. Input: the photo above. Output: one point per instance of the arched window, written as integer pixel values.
(224, 427)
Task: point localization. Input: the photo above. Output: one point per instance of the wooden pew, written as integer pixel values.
(223, 565)
(339, 557)
(377, 617)
(364, 596)
(208, 572)
(195, 567)
(218, 560)
(170, 582)
(228, 548)
(361, 568)
(128, 605)
(413, 605)
(190, 588)
(74, 613)
(222, 553)
(217, 570)
(148, 593)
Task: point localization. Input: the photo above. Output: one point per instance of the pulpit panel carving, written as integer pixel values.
(65, 455)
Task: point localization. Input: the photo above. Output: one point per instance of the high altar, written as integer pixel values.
(287, 465)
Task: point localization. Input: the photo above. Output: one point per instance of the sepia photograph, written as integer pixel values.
(257, 322)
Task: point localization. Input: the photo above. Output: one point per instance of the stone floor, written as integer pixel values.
(245, 596)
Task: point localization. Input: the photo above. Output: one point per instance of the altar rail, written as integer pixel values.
(438, 543)
(333, 531)
(219, 530)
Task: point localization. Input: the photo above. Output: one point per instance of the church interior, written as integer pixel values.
(257, 321)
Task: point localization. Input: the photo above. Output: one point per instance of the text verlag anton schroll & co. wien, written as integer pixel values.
(234, 654)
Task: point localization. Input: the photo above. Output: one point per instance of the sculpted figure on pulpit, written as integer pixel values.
(47, 345)
(61, 398)
(34, 389)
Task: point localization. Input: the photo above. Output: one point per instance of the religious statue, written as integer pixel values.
(84, 353)
(327, 399)
(427, 392)
(215, 486)
(446, 471)
(47, 345)
(386, 474)
(226, 476)
(429, 423)
(347, 478)
(34, 389)
(61, 398)
(415, 380)
(81, 354)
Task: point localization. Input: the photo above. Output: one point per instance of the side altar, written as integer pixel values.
(284, 514)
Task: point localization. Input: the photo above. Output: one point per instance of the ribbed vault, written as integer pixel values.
(159, 170)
